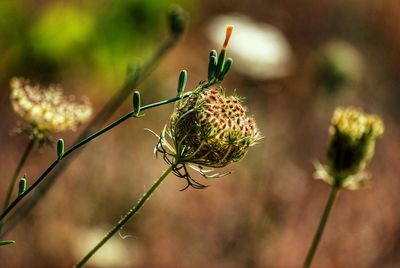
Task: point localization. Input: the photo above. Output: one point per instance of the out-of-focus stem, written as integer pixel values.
(80, 144)
(321, 227)
(132, 81)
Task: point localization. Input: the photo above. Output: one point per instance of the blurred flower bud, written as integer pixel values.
(211, 129)
(177, 20)
(339, 65)
(353, 134)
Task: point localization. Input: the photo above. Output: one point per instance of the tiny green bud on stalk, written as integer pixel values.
(22, 185)
(60, 149)
(6, 242)
(136, 103)
(212, 67)
(227, 65)
(182, 82)
(220, 63)
(213, 53)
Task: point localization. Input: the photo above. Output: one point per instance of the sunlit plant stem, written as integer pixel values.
(124, 219)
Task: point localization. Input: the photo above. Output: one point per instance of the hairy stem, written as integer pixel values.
(321, 227)
(129, 215)
(14, 178)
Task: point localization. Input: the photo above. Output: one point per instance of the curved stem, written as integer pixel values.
(321, 227)
(129, 215)
(133, 79)
(80, 144)
(21, 163)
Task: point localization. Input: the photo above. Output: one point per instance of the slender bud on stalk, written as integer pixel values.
(227, 65)
(136, 103)
(6, 242)
(212, 65)
(22, 185)
(60, 149)
(182, 82)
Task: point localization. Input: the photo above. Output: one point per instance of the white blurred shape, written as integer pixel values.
(259, 50)
(114, 253)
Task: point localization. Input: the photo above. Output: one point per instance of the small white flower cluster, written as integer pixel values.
(47, 109)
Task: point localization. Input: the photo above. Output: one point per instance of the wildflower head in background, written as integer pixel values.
(208, 129)
(352, 142)
(46, 110)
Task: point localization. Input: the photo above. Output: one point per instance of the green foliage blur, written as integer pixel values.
(94, 38)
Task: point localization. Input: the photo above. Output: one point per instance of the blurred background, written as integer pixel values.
(294, 61)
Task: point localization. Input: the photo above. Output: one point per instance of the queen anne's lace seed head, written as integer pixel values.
(47, 110)
(211, 129)
(353, 135)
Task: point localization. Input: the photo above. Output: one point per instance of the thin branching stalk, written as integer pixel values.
(124, 220)
(321, 227)
(134, 78)
(80, 144)
(14, 178)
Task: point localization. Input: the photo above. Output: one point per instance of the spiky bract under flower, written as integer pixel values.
(211, 129)
(47, 110)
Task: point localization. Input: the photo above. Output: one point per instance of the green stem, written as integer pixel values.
(80, 144)
(321, 227)
(17, 171)
(129, 215)
(133, 79)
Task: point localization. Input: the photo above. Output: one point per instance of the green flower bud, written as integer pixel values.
(211, 129)
(353, 134)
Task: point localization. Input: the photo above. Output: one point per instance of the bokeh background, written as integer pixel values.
(334, 53)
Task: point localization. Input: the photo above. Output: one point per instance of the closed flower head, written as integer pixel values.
(47, 110)
(353, 134)
(211, 129)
